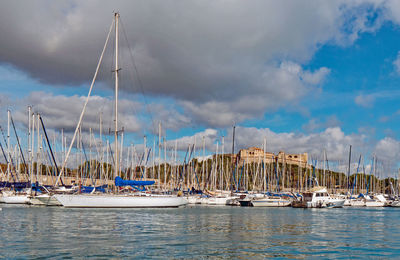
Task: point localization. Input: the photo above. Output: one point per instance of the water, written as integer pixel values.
(198, 232)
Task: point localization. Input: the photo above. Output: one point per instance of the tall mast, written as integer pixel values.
(8, 146)
(204, 160)
(233, 161)
(145, 155)
(265, 165)
(29, 143)
(116, 15)
(348, 172)
(159, 156)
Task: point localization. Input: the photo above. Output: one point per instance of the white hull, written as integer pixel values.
(16, 199)
(36, 202)
(270, 203)
(374, 203)
(357, 203)
(119, 201)
(395, 203)
(1, 199)
(220, 200)
(45, 200)
(347, 203)
(193, 199)
(331, 203)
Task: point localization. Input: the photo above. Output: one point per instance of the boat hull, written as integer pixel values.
(271, 203)
(374, 203)
(34, 201)
(45, 200)
(218, 200)
(245, 203)
(357, 203)
(117, 201)
(16, 199)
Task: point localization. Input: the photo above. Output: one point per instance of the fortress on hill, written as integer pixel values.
(257, 155)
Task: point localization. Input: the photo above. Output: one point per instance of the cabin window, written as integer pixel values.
(307, 195)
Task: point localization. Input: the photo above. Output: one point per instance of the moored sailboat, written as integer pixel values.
(109, 200)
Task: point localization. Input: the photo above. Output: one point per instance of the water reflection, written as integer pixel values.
(198, 231)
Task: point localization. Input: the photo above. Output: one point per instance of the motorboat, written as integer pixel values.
(318, 197)
(271, 201)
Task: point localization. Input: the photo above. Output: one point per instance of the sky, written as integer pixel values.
(307, 76)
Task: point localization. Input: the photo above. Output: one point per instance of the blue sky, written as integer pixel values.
(307, 76)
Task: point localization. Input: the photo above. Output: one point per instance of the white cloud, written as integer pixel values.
(62, 112)
(315, 124)
(365, 100)
(388, 149)
(333, 140)
(277, 87)
(210, 136)
(396, 63)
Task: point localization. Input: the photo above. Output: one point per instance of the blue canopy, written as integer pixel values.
(89, 189)
(16, 185)
(120, 182)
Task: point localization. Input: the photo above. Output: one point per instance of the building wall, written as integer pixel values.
(256, 155)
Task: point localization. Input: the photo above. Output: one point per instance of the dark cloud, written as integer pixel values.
(209, 56)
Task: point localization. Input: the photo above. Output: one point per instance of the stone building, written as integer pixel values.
(257, 155)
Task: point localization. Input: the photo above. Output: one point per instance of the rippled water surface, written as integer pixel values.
(199, 232)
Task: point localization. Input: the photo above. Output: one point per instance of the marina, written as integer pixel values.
(252, 177)
(196, 130)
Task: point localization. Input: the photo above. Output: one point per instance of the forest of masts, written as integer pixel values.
(40, 162)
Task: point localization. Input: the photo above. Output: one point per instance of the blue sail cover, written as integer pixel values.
(120, 182)
(89, 189)
(16, 185)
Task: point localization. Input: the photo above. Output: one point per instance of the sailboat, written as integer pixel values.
(18, 191)
(134, 200)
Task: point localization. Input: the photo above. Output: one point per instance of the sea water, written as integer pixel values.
(199, 232)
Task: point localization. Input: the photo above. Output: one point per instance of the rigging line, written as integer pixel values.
(84, 107)
(11, 159)
(19, 145)
(138, 78)
(49, 146)
(4, 137)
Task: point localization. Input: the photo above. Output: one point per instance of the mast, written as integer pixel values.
(116, 16)
(33, 146)
(348, 172)
(204, 160)
(233, 158)
(29, 143)
(145, 152)
(159, 156)
(264, 162)
(324, 176)
(222, 165)
(8, 146)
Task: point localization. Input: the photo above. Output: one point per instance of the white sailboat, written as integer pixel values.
(114, 200)
(11, 197)
(375, 201)
(119, 201)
